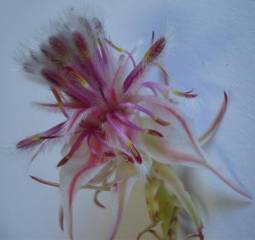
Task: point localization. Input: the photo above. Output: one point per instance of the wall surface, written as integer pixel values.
(211, 48)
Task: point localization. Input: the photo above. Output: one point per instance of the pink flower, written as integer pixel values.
(115, 130)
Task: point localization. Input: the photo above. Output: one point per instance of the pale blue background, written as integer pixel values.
(212, 47)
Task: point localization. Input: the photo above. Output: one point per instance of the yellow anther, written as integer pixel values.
(176, 92)
(85, 54)
(153, 132)
(80, 79)
(130, 145)
(118, 49)
(64, 160)
(161, 121)
(36, 137)
(148, 57)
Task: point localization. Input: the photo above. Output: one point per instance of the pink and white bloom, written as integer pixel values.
(119, 125)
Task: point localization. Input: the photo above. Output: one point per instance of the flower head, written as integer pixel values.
(113, 127)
